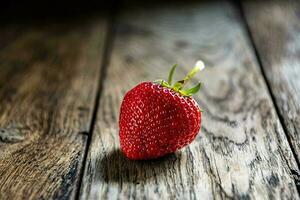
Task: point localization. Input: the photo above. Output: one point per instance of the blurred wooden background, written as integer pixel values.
(64, 70)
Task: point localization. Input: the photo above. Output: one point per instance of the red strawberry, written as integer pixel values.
(159, 118)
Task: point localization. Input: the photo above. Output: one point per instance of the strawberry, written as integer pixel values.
(158, 118)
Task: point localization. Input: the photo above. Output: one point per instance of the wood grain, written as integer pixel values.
(275, 28)
(241, 151)
(48, 81)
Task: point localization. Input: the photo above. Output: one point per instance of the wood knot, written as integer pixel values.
(11, 135)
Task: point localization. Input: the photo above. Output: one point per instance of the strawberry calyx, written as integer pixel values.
(178, 86)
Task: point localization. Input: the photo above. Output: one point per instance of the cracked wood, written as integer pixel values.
(241, 151)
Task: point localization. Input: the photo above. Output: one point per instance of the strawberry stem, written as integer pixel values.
(178, 86)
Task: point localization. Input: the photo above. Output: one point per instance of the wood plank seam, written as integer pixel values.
(296, 174)
(104, 65)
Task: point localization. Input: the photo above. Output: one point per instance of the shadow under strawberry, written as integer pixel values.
(115, 167)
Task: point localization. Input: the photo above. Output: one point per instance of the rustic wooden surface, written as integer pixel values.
(49, 76)
(242, 150)
(275, 28)
(61, 86)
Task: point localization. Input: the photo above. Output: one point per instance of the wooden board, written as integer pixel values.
(241, 151)
(49, 76)
(275, 28)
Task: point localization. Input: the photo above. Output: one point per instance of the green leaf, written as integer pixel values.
(170, 78)
(178, 85)
(165, 84)
(192, 90)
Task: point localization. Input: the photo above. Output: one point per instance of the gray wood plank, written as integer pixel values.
(48, 81)
(241, 151)
(275, 28)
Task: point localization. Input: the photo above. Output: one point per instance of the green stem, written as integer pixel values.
(180, 84)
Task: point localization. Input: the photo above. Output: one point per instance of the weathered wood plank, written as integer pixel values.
(48, 81)
(275, 28)
(241, 152)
